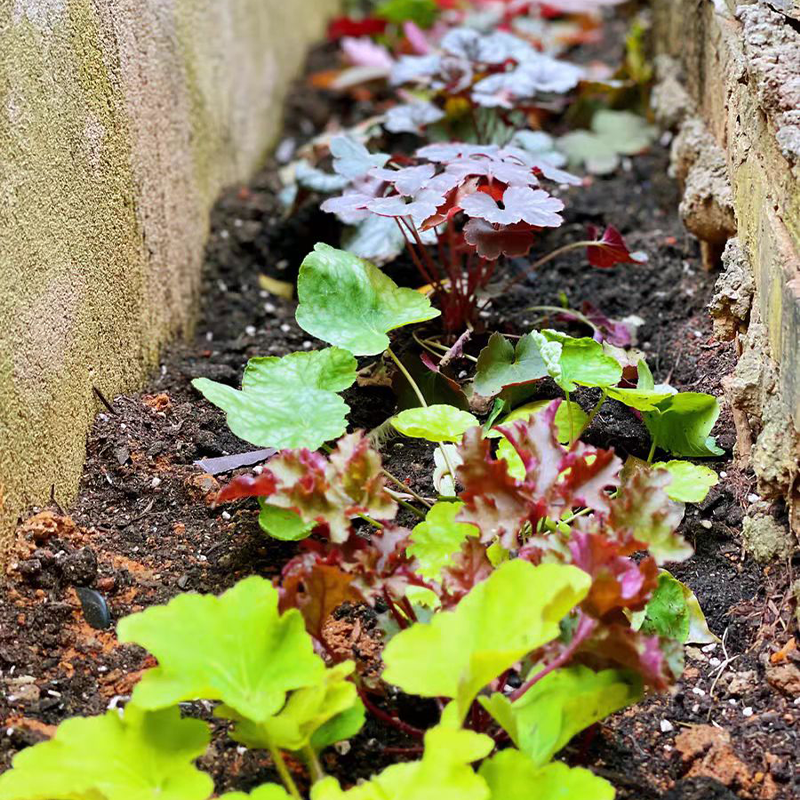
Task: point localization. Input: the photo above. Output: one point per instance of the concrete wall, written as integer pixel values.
(120, 121)
(741, 67)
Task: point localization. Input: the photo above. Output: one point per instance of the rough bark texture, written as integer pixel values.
(740, 66)
(120, 120)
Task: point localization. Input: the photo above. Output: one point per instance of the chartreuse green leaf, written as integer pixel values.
(517, 609)
(562, 704)
(282, 523)
(438, 538)
(137, 756)
(269, 791)
(511, 775)
(583, 361)
(562, 423)
(443, 772)
(439, 423)
(500, 364)
(349, 302)
(312, 714)
(235, 648)
(640, 399)
(674, 612)
(690, 482)
(265, 411)
(681, 424)
(420, 12)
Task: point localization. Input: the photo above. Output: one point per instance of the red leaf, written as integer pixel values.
(262, 485)
(346, 26)
(611, 249)
(513, 241)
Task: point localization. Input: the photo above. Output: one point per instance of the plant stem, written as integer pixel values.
(586, 626)
(543, 260)
(283, 771)
(394, 479)
(652, 452)
(407, 375)
(409, 507)
(371, 521)
(593, 413)
(314, 767)
(390, 719)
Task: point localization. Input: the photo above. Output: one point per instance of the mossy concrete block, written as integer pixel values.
(120, 121)
(741, 66)
(765, 538)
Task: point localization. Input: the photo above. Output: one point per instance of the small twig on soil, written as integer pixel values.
(101, 397)
(722, 667)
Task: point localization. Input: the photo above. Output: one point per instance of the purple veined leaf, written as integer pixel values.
(422, 206)
(540, 74)
(412, 117)
(492, 241)
(520, 203)
(547, 74)
(363, 52)
(214, 466)
(613, 331)
(445, 182)
(447, 151)
(409, 69)
(407, 181)
(512, 174)
(543, 165)
(350, 208)
(455, 75)
(481, 48)
(352, 159)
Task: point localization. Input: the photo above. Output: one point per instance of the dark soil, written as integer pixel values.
(142, 528)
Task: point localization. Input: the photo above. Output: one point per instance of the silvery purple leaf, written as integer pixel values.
(318, 181)
(350, 207)
(536, 75)
(408, 180)
(411, 68)
(412, 117)
(547, 74)
(420, 207)
(494, 48)
(520, 204)
(352, 159)
(455, 75)
(447, 151)
(512, 174)
(544, 164)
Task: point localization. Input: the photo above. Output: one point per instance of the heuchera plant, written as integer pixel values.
(459, 209)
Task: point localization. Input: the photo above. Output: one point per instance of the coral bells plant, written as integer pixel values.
(495, 193)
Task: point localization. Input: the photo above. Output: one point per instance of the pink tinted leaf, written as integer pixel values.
(611, 249)
(262, 485)
(363, 52)
(607, 329)
(521, 203)
(416, 38)
(407, 181)
(491, 242)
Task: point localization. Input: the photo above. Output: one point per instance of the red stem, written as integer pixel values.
(586, 626)
(389, 719)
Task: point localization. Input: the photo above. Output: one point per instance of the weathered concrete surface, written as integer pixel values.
(741, 68)
(120, 120)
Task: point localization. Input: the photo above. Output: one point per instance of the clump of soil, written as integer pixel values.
(143, 528)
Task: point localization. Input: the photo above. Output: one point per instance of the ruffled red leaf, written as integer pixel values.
(611, 249)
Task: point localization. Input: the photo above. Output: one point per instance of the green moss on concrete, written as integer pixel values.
(114, 141)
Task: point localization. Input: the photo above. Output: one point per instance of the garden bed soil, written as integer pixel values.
(143, 528)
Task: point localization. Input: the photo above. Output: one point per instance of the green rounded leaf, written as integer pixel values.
(583, 361)
(436, 540)
(235, 648)
(511, 775)
(681, 424)
(444, 772)
(283, 523)
(138, 756)
(265, 411)
(500, 364)
(690, 482)
(349, 302)
(321, 714)
(439, 423)
(517, 609)
(640, 399)
(559, 706)
(269, 791)
(562, 419)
